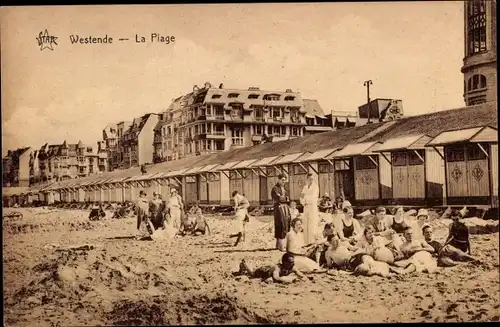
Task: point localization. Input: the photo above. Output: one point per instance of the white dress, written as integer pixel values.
(310, 218)
(294, 244)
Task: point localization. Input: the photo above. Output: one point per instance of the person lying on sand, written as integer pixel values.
(447, 254)
(418, 255)
(280, 273)
(345, 257)
(295, 244)
(96, 212)
(201, 226)
(374, 246)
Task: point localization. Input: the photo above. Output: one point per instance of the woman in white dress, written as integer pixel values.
(241, 206)
(310, 217)
(175, 206)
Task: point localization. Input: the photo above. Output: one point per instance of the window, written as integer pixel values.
(324, 167)
(269, 130)
(216, 96)
(365, 162)
(89, 149)
(299, 170)
(414, 159)
(219, 129)
(232, 95)
(253, 96)
(237, 136)
(399, 159)
(209, 110)
(209, 144)
(259, 113)
(276, 130)
(476, 36)
(258, 129)
(237, 110)
(283, 130)
(276, 112)
(272, 97)
(219, 145)
(455, 153)
(295, 131)
(219, 111)
(476, 82)
(475, 153)
(289, 98)
(209, 128)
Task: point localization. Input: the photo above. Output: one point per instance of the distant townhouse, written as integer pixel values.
(15, 168)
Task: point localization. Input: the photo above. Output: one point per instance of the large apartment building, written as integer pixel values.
(65, 161)
(209, 120)
(15, 168)
(130, 144)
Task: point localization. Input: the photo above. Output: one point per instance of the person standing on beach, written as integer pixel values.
(281, 213)
(175, 205)
(155, 207)
(241, 206)
(310, 217)
(142, 206)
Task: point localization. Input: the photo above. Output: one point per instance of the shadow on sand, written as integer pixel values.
(243, 251)
(145, 238)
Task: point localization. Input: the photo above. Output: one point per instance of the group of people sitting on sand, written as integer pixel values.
(397, 244)
(169, 215)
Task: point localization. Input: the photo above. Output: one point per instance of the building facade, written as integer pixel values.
(57, 162)
(210, 120)
(480, 59)
(130, 144)
(15, 168)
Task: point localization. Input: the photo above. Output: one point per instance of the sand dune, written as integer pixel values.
(61, 268)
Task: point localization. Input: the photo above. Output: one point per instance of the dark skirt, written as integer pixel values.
(281, 221)
(459, 245)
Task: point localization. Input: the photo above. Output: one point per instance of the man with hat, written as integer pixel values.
(175, 206)
(143, 212)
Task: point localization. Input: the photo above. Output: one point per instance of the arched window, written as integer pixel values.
(476, 25)
(476, 82)
(482, 81)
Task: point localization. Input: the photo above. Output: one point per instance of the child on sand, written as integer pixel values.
(294, 212)
(200, 226)
(280, 273)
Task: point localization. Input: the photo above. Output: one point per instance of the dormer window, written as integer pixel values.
(272, 97)
(289, 98)
(216, 96)
(233, 95)
(253, 96)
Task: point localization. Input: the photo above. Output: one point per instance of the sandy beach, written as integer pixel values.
(51, 278)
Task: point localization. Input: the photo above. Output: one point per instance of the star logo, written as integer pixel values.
(45, 41)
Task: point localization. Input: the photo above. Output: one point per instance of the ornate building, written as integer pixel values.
(480, 61)
(209, 120)
(15, 168)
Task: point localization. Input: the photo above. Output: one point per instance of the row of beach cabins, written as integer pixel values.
(447, 158)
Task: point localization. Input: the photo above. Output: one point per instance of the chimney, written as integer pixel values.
(221, 86)
(254, 88)
(289, 91)
(9, 153)
(208, 85)
(195, 88)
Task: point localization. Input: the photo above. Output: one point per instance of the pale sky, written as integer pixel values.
(411, 51)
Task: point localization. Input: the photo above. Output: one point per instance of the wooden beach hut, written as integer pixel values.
(471, 165)
(246, 180)
(270, 177)
(403, 162)
(316, 164)
(204, 185)
(361, 162)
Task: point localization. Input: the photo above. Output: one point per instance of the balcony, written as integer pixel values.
(257, 138)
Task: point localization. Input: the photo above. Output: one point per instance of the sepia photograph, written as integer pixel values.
(250, 163)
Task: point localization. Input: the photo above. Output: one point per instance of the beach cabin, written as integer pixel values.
(229, 181)
(204, 176)
(191, 185)
(358, 177)
(403, 170)
(471, 165)
(321, 168)
(212, 175)
(247, 179)
(174, 179)
(269, 177)
(296, 173)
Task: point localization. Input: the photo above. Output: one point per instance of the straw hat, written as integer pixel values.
(423, 212)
